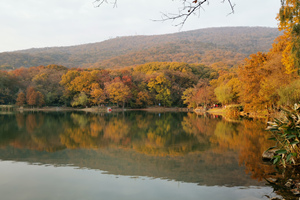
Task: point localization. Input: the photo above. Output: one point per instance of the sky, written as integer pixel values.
(29, 24)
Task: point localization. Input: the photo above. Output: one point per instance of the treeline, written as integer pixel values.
(229, 45)
(140, 86)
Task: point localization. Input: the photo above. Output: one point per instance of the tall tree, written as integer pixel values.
(98, 95)
(80, 99)
(31, 96)
(289, 18)
(21, 99)
(251, 74)
(118, 92)
(161, 86)
(40, 100)
(32, 99)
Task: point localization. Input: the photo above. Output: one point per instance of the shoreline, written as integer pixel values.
(214, 111)
(101, 109)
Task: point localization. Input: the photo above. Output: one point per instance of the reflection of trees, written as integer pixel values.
(31, 123)
(166, 134)
(116, 131)
(20, 120)
(150, 134)
(201, 127)
(31, 131)
(248, 138)
(255, 143)
(82, 132)
(208, 144)
(226, 135)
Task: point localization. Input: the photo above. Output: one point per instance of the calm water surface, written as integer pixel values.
(131, 155)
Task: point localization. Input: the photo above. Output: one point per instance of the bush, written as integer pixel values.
(286, 133)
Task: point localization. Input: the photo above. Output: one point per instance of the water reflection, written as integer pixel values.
(176, 146)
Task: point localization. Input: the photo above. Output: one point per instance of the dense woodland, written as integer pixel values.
(207, 46)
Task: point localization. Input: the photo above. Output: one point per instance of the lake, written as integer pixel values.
(131, 155)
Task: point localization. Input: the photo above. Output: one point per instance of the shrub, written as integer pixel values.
(286, 133)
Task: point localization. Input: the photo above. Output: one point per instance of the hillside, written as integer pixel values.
(229, 45)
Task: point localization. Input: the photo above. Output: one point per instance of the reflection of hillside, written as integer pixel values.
(194, 168)
(179, 146)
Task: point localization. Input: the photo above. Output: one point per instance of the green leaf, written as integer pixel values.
(272, 139)
(281, 151)
(271, 128)
(277, 156)
(290, 136)
(276, 160)
(288, 157)
(271, 148)
(294, 142)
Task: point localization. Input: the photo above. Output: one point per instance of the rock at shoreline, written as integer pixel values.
(268, 155)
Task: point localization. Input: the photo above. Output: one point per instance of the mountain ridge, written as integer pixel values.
(193, 46)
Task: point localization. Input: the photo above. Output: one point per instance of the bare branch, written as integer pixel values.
(231, 6)
(98, 3)
(188, 8)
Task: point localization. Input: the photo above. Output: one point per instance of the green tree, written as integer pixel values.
(229, 92)
(80, 100)
(160, 85)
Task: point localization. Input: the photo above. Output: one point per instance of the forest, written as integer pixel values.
(262, 82)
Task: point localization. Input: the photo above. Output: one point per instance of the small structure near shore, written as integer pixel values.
(7, 107)
(200, 110)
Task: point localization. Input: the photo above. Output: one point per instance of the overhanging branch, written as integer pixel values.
(188, 8)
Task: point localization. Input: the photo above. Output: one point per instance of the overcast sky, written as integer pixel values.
(47, 23)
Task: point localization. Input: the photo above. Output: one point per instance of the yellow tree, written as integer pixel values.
(97, 94)
(188, 97)
(143, 99)
(289, 18)
(228, 92)
(118, 92)
(251, 74)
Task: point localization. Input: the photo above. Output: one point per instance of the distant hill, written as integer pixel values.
(229, 45)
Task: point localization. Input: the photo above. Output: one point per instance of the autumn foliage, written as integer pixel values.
(261, 83)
